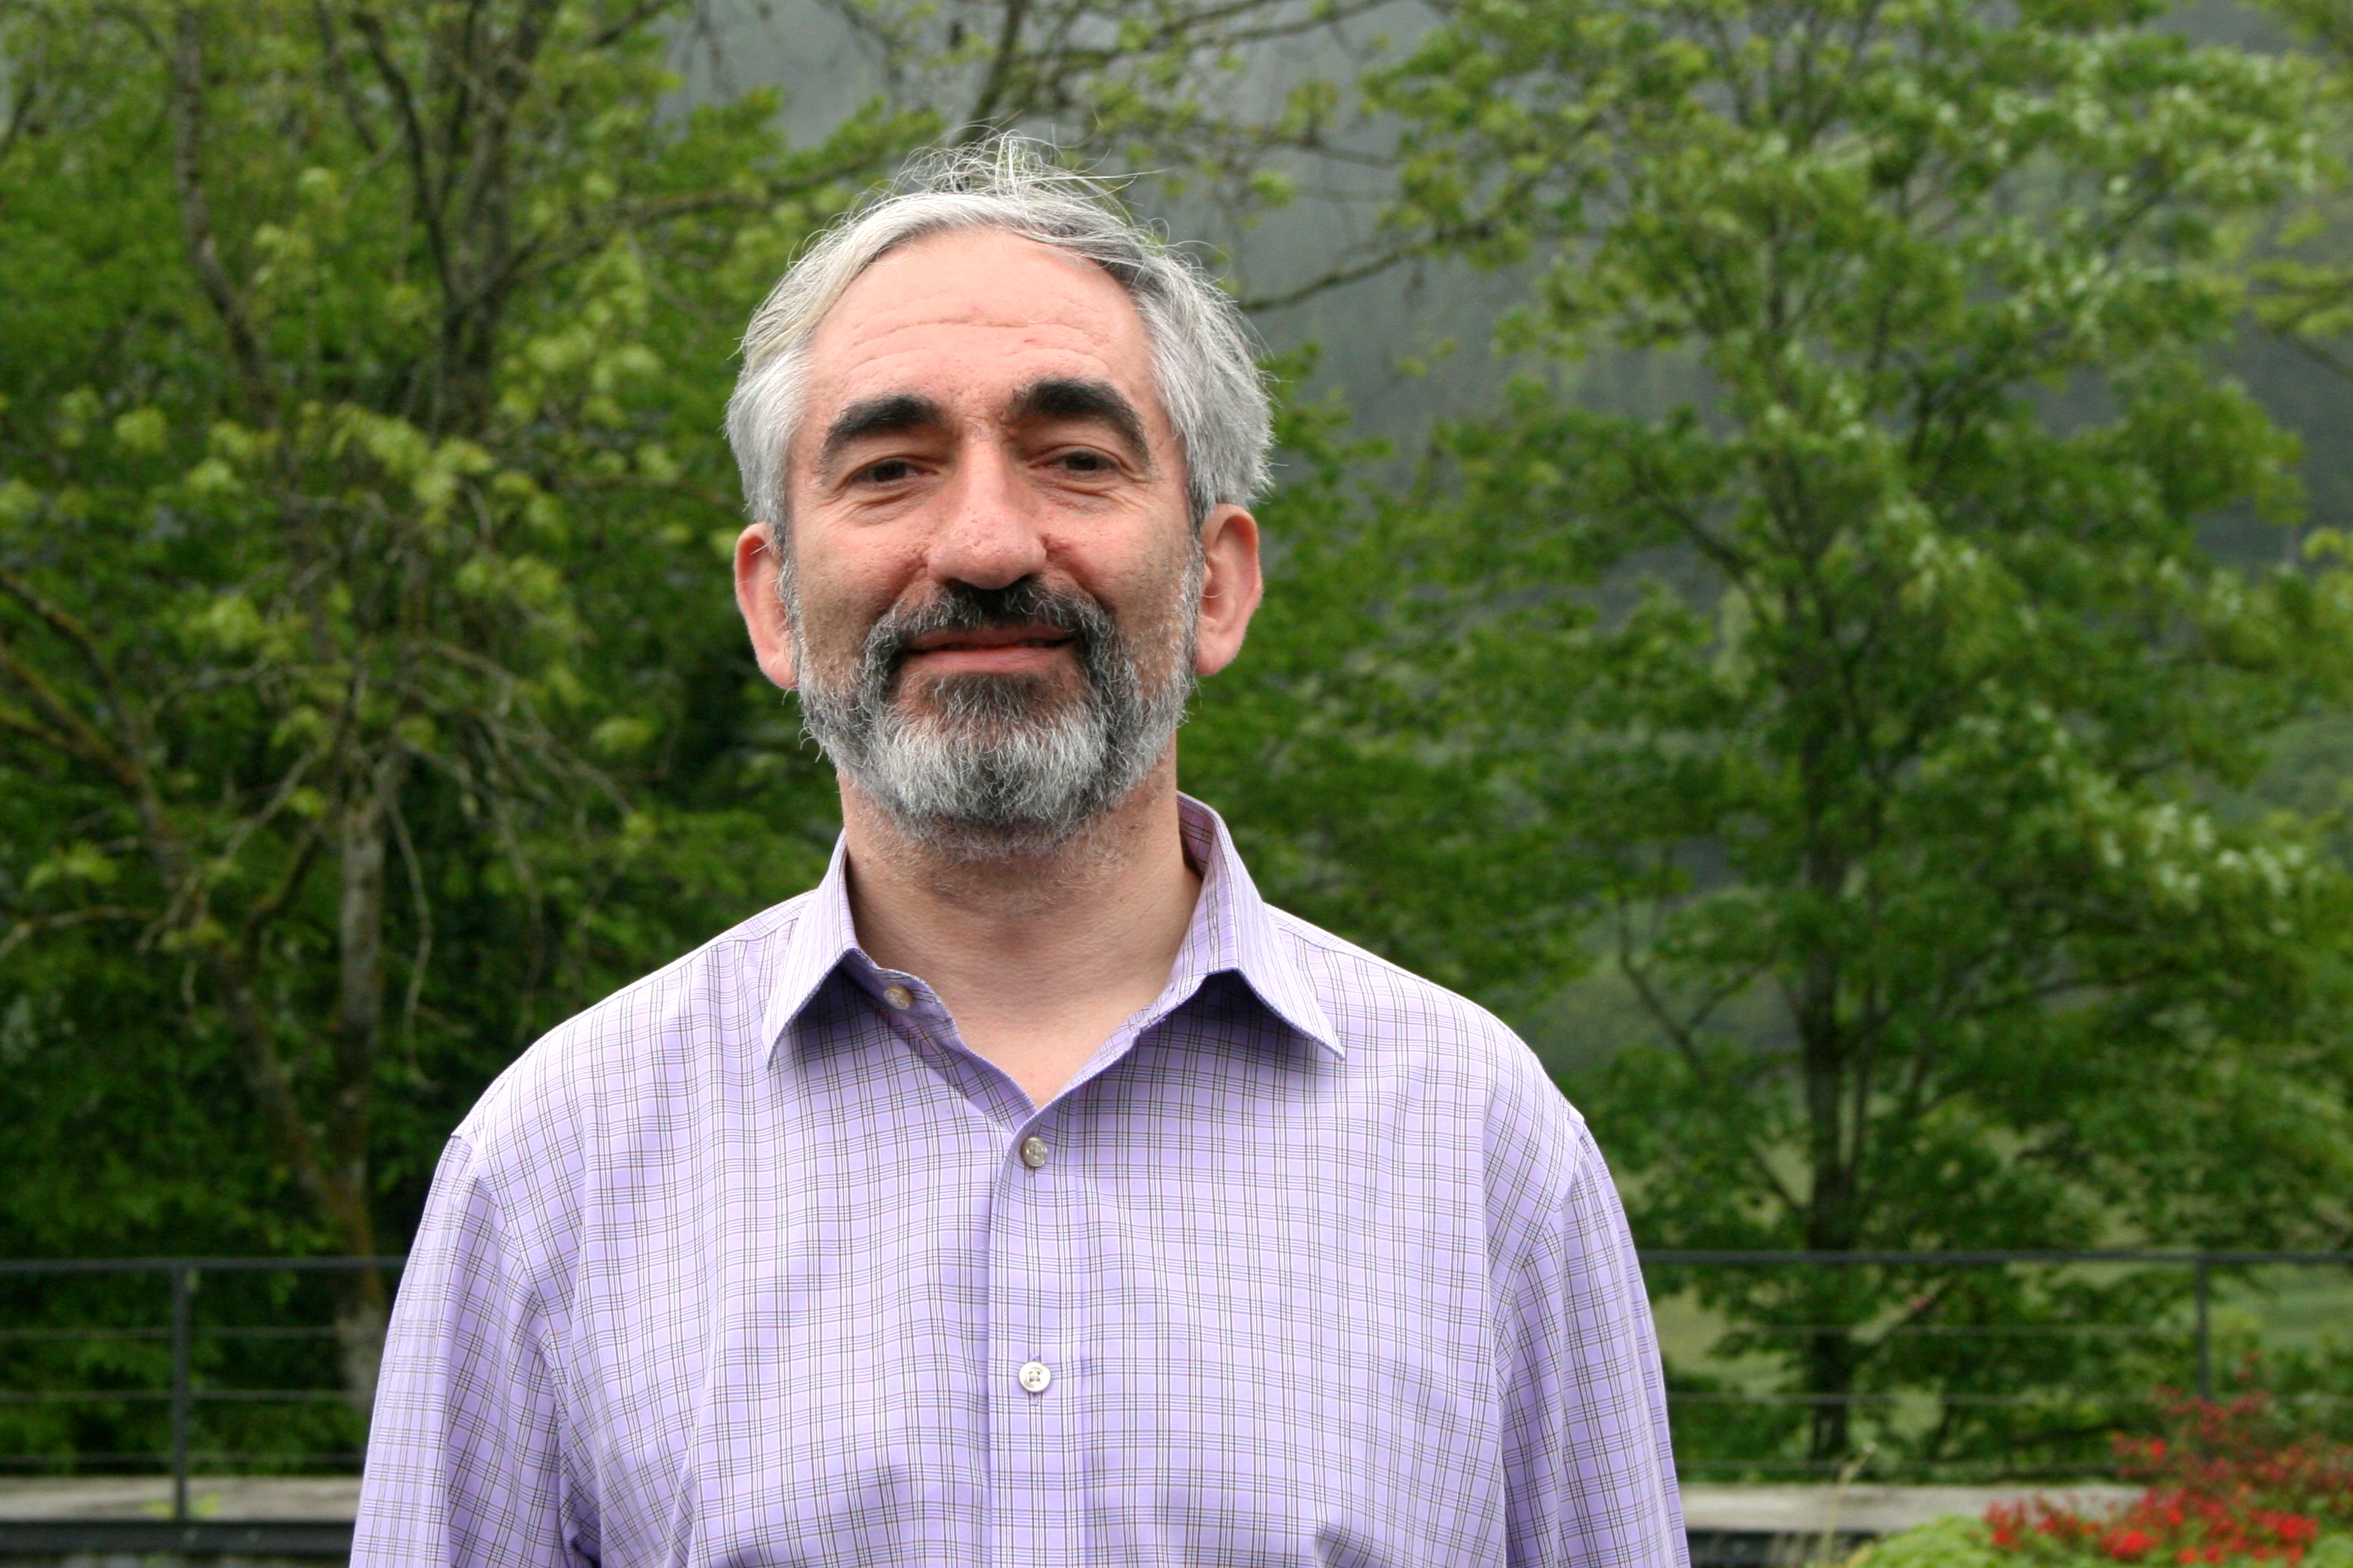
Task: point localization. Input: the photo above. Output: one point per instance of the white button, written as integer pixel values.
(1034, 1152)
(898, 997)
(1035, 1377)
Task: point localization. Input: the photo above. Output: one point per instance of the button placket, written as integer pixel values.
(1034, 1331)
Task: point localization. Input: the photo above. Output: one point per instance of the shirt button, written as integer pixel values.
(898, 997)
(1035, 1377)
(1034, 1152)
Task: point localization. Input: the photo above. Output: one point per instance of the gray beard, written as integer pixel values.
(998, 766)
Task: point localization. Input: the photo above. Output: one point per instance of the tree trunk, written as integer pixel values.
(1832, 1221)
(363, 833)
(1830, 1377)
(361, 1311)
(1831, 1218)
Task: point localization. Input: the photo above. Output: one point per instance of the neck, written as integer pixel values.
(1035, 945)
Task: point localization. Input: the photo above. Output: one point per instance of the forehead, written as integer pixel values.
(967, 319)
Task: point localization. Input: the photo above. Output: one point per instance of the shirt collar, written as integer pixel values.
(820, 940)
(1232, 930)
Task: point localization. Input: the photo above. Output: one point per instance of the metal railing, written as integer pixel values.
(2202, 1266)
(180, 1277)
(2007, 1378)
(40, 1334)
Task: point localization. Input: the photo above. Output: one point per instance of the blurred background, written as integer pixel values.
(1809, 573)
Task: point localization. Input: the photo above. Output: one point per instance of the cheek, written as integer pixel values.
(841, 597)
(1145, 585)
(1166, 599)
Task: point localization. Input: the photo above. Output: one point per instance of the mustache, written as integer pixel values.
(960, 607)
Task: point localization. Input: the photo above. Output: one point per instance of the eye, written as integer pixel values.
(889, 471)
(1083, 461)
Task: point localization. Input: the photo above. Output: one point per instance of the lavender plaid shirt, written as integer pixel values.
(755, 1263)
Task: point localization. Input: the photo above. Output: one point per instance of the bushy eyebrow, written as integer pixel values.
(1096, 401)
(1056, 397)
(892, 413)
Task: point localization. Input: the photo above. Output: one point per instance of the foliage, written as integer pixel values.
(370, 699)
(1887, 708)
(2231, 1481)
(349, 581)
(2226, 1482)
(2185, 1525)
(2305, 288)
(2029, 1365)
(1960, 1541)
(1363, 794)
(370, 693)
(1955, 1540)
(1963, 1542)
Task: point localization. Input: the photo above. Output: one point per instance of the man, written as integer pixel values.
(1029, 1192)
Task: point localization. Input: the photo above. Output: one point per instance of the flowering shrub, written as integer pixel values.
(2184, 1526)
(2228, 1483)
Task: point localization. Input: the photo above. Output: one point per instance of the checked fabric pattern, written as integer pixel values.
(1310, 1264)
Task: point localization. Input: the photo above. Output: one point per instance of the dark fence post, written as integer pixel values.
(2205, 1331)
(183, 1284)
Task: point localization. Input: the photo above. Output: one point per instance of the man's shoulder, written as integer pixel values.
(1468, 1075)
(1398, 1022)
(709, 1002)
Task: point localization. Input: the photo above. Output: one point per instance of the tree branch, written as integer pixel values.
(1351, 272)
(422, 953)
(187, 113)
(2326, 359)
(611, 32)
(980, 121)
(1922, 1306)
(1180, 34)
(267, 907)
(57, 724)
(590, 232)
(20, 112)
(31, 926)
(426, 198)
(16, 721)
(67, 627)
(339, 79)
(1687, 1043)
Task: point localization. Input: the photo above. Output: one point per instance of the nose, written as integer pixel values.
(988, 535)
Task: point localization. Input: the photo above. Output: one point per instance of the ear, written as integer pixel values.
(1231, 586)
(763, 606)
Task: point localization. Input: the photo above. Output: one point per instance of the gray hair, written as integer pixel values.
(1202, 363)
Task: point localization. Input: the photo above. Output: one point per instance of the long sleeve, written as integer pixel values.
(1587, 1467)
(465, 1461)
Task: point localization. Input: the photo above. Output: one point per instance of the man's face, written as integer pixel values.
(994, 590)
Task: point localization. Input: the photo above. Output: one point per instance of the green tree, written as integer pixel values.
(1896, 700)
(338, 456)
(2306, 293)
(370, 694)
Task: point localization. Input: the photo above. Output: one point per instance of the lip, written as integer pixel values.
(1005, 657)
(989, 637)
